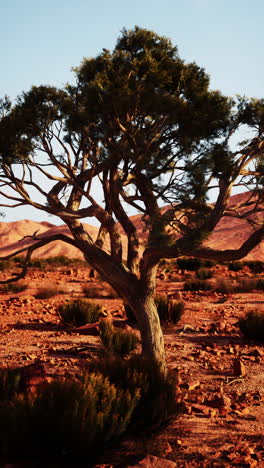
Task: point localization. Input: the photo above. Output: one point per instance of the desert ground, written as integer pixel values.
(221, 373)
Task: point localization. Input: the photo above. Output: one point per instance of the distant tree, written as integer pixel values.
(144, 125)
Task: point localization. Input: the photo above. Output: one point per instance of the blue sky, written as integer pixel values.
(41, 40)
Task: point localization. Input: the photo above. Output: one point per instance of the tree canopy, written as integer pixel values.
(147, 128)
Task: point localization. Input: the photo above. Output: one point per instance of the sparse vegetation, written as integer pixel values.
(252, 325)
(47, 292)
(79, 312)
(66, 419)
(10, 288)
(197, 285)
(235, 266)
(193, 264)
(117, 340)
(158, 393)
(168, 309)
(204, 273)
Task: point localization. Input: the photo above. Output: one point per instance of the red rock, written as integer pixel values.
(239, 368)
(91, 329)
(150, 461)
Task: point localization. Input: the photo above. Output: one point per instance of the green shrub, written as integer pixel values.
(197, 285)
(46, 293)
(117, 340)
(9, 383)
(13, 287)
(255, 265)
(224, 286)
(90, 291)
(66, 420)
(169, 310)
(193, 264)
(235, 266)
(252, 325)
(204, 273)
(245, 285)
(5, 265)
(79, 312)
(158, 394)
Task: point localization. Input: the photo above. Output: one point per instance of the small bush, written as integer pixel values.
(5, 265)
(246, 285)
(169, 310)
(158, 394)
(90, 291)
(79, 312)
(223, 286)
(117, 340)
(252, 325)
(235, 266)
(66, 420)
(46, 293)
(204, 273)
(255, 265)
(197, 285)
(13, 287)
(193, 264)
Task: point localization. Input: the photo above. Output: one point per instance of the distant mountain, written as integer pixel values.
(229, 233)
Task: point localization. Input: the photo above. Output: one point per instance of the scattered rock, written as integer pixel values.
(150, 461)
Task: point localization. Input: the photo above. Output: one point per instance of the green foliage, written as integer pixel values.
(204, 273)
(255, 265)
(158, 393)
(66, 420)
(197, 285)
(79, 312)
(235, 266)
(252, 325)
(193, 264)
(47, 292)
(10, 288)
(168, 309)
(117, 340)
(9, 383)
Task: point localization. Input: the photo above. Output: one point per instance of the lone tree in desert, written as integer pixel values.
(144, 127)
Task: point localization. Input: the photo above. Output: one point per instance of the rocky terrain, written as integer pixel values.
(220, 372)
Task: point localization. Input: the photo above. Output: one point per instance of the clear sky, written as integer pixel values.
(40, 40)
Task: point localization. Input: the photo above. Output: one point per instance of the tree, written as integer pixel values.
(146, 126)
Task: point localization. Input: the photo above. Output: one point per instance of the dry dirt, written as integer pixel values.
(223, 422)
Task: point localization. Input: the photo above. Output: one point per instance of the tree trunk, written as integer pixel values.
(150, 329)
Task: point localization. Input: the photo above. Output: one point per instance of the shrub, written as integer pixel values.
(66, 419)
(5, 264)
(169, 310)
(90, 291)
(235, 266)
(193, 264)
(79, 312)
(117, 340)
(204, 273)
(46, 293)
(158, 394)
(255, 265)
(252, 325)
(13, 287)
(223, 286)
(246, 285)
(197, 285)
